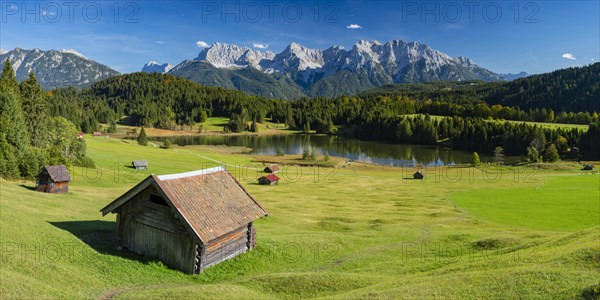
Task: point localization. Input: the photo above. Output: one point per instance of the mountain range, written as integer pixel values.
(56, 68)
(295, 72)
(301, 71)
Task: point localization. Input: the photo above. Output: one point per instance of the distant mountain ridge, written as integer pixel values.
(153, 66)
(54, 68)
(513, 76)
(330, 72)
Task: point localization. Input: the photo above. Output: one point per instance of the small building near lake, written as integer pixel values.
(588, 167)
(272, 169)
(189, 221)
(53, 179)
(418, 175)
(270, 179)
(139, 164)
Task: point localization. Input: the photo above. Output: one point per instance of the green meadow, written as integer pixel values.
(540, 124)
(354, 231)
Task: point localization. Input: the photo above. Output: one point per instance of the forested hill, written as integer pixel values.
(572, 89)
(165, 100)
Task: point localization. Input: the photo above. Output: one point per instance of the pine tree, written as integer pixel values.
(499, 154)
(167, 144)
(476, 160)
(35, 111)
(306, 154)
(532, 154)
(142, 138)
(551, 154)
(8, 79)
(326, 158)
(203, 116)
(14, 138)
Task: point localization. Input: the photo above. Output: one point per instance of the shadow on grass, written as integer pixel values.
(99, 235)
(31, 188)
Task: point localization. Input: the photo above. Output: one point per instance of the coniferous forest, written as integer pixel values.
(40, 127)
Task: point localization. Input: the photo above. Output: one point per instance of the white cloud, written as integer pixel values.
(159, 42)
(354, 26)
(47, 13)
(569, 56)
(202, 44)
(260, 46)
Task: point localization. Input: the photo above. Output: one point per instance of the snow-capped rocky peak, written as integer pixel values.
(2, 51)
(155, 67)
(296, 57)
(233, 56)
(71, 51)
(392, 61)
(56, 68)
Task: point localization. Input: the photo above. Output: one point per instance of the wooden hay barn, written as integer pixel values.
(53, 179)
(139, 164)
(272, 169)
(418, 175)
(190, 221)
(270, 179)
(588, 168)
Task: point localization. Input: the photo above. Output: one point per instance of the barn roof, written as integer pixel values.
(58, 173)
(211, 202)
(273, 168)
(139, 163)
(271, 177)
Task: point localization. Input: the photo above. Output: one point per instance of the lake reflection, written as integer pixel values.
(364, 151)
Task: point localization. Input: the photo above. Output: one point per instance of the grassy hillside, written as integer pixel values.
(358, 231)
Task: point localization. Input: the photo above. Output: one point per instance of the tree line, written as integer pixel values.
(165, 101)
(31, 133)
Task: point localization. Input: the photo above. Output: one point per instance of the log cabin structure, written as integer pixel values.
(418, 175)
(53, 179)
(139, 164)
(588, 167)
(272, 169)
(190, 221)
(270, 179)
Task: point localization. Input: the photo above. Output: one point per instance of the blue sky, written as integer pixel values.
(504, 36)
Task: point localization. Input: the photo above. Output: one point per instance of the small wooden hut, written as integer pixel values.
(270, 179)
(272, 169)
(190, 221)
(139, 164)
(53, 179)
(588, 168)
(97, 133)
(418, 175)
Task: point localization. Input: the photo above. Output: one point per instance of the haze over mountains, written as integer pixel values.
(55, 68)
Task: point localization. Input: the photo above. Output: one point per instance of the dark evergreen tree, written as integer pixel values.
(142, 139)
(35, 111)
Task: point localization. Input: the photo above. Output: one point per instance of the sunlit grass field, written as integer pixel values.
(356, 231)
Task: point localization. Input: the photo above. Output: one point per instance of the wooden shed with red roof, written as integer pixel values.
(190, 221)
(270, 179)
